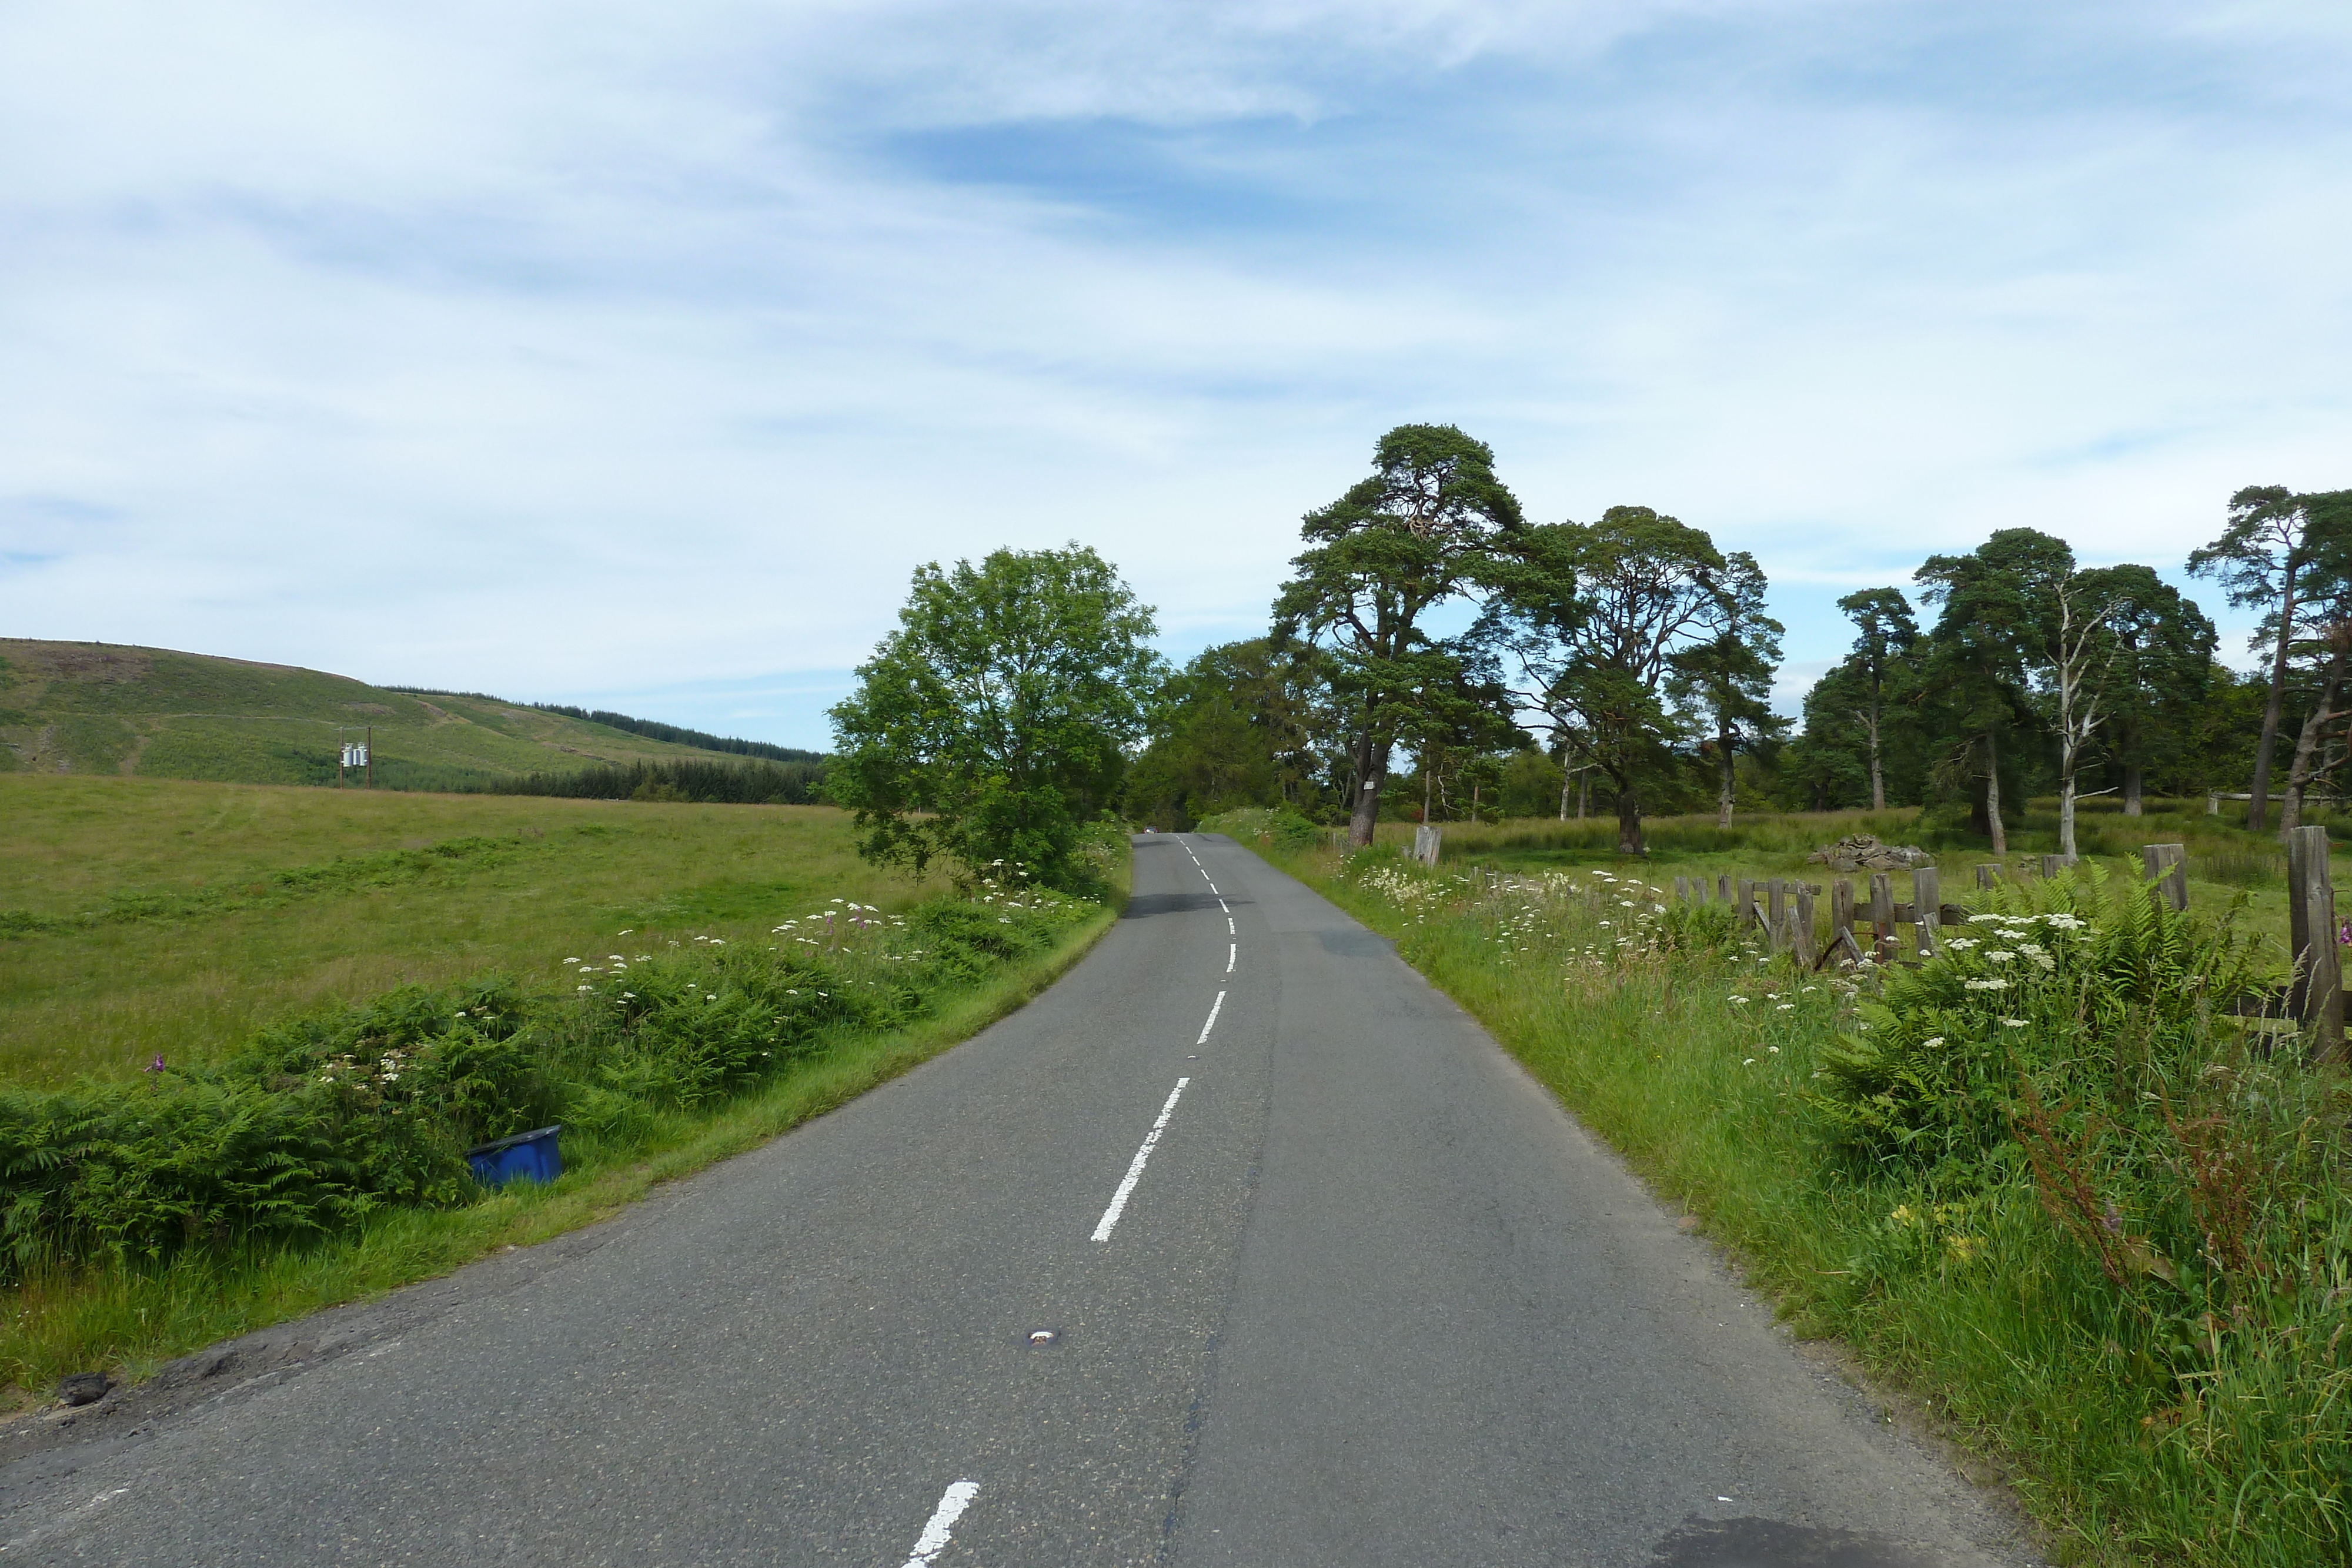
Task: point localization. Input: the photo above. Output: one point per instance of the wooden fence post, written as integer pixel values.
(1841, 907)
(1800, 921)
(1723, 886)
(1985, 876)
(1882, 904)
(1927, 905)
(1681, 890)
(2317, 998)
(1776, 912)
(2169, 861)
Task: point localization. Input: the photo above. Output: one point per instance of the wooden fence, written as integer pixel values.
(1786, 911)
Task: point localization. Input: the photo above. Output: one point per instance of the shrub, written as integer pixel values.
(327, 1117)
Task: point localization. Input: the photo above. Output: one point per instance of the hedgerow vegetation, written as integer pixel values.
(2045, 1182)
(248, 1033)
(794, 783)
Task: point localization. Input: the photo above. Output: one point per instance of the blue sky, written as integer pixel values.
(634, 355)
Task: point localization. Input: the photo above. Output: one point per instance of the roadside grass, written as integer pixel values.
(265, 900)
(130, 1315)
(2137, 1429)
(2224, 859)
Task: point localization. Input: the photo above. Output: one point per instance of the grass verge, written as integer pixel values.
(129, 1317)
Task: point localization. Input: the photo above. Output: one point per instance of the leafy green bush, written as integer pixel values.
(2061, 990)
(1277, 826)
(327, 1117)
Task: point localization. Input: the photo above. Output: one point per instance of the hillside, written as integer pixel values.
(95, 708)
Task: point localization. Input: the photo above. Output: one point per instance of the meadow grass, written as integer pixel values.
(256, 924)
(2225, 860)
(2135, 1435)
(558, 879)
(131, 1318)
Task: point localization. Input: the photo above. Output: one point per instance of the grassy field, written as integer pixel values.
(178, 917)
(212, 907)
(2225, 860)
(83, 708)
(2136, 1315)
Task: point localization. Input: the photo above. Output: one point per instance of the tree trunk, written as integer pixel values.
(2258, 809)
(1629, 823)
(1427, 773)
(2298, 776)
(1723, 802)
(1567, 782)
(1583, 794)
(1878, 775)
(2131, 788)
(1374, 773)
(1992, 795)
(2066, 817)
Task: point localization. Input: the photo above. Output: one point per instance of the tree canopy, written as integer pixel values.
(993, 723)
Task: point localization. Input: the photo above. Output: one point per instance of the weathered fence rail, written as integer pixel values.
(1784, 910)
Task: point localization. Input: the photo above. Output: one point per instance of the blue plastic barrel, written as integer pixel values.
(526, 1157)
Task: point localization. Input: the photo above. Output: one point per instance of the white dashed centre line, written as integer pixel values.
(1232, 951)
(934, 1539)
(1229, 927)
(1135, 1171)
(1214, 1008)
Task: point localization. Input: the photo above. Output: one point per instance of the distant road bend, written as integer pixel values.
(1240, 1246)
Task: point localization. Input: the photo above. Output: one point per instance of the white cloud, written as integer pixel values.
(590, 350)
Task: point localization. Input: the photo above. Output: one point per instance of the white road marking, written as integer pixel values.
(1232, 951)
(934, 1539)
(1229, 927)
(1135, 1171)
(1214, 1007)
(1213, 886)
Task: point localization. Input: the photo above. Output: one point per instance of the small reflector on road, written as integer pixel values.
(1043, 1336)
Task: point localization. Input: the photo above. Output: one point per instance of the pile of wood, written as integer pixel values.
(1862, 852)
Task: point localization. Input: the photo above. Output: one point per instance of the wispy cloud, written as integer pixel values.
(596, 349)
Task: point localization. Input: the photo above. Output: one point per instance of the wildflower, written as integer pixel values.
(156, 1065)
(2012, 1023)
(2000, 955)
(1773, 1049)
(583, 988)
(1986, 985)
(1749, 1062)
(1931, 1043)
(629, 996)
(1904, 1215)
(1784, 1006)
(623, 933)
(1742, 1000)
(1963, 943)
(1963, 1248)
(571, 960)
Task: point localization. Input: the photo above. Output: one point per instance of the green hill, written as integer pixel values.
(92, 707)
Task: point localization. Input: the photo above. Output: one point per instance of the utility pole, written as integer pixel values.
(371, 756)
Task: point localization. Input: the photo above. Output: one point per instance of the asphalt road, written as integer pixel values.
(1328, 1281)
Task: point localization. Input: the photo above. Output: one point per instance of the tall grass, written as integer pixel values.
(253, 901)
(2129, 1280)
(130, 1315)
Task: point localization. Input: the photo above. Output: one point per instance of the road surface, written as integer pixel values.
(1240, 1246)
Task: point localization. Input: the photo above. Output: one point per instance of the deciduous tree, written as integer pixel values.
(992, 724)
